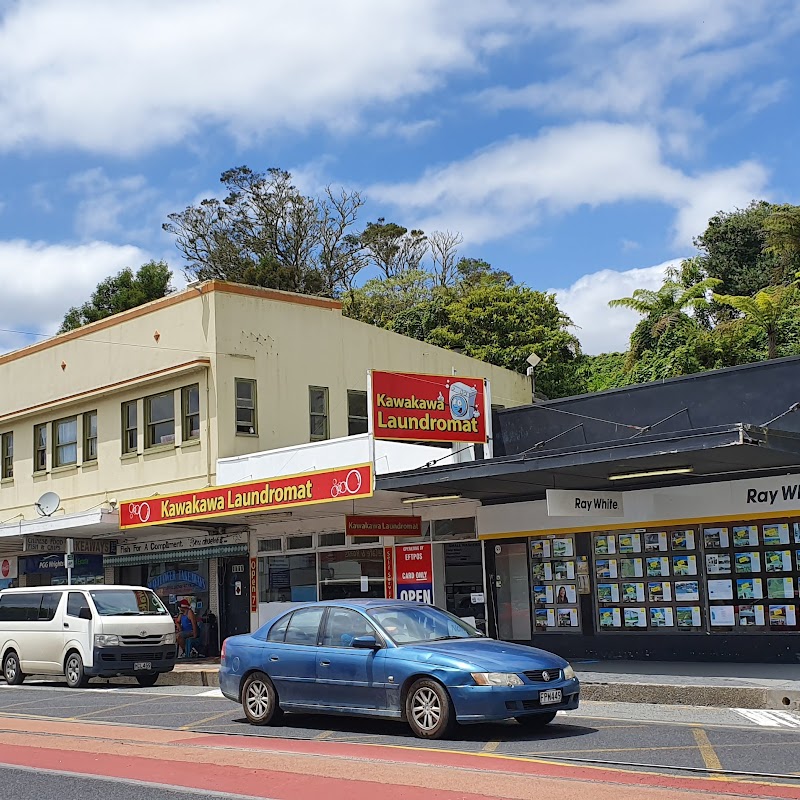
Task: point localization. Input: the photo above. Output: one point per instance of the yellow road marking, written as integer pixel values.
(200, 722)
(324, 735)
(710, 757)
(490, 747)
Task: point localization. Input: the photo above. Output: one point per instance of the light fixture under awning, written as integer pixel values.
(650, 473)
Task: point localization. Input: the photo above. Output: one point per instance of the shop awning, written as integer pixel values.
(718, 453)
(176, 555)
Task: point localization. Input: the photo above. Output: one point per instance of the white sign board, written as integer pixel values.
(584, 503)
(186, 542)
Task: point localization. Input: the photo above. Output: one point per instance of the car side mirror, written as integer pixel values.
(85, 613)
(365, 643)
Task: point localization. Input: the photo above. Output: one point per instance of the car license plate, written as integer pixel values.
(149, 665)
(550, 696)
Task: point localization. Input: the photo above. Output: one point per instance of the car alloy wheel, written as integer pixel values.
(260, 701)
(429, 710)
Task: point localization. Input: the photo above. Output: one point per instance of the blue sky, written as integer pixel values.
(580, 146)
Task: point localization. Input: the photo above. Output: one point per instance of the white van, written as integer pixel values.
(85, 631)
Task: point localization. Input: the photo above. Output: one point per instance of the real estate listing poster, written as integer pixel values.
(655, 541)
(606, 568)
(782, 616)
(720, 590)
(688, 616)
(542, 594)
(722, 616)
(635, 617)
(750, 616)
(608, 592)
(566, 593)
(780, 588)
(684, 565)
(687, 590)
(567, 617)
(749, 588)
(718, 563)
(542, 571)
(659, 592)
(749, 561)
(776, 534)
(630, 543)
(630, 568)
(633, 593)
(683, 540)
(778, 561)
(562, 548)
(661, 617)
(540, 548)
(610, 618)
(605, 545)
(658, 566)
(715, 538)
(745, 536)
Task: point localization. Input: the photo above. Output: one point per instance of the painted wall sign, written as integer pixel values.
(428, 408)
(254, 584)
(580, 503)
(186, 542)
(179, 577)
(55, 562)
(324, 486)
(383, 526)
(8, 568)
(414, 572)
(388, 571)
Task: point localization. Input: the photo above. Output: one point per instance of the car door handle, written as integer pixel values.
(274, 658)
(66, 625)
(324, 663)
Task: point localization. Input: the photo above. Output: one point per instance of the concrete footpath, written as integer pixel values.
(762, 686)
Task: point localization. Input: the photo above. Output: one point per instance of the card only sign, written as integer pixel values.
(414, 572)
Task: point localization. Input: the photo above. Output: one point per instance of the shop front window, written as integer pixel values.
(174, 581)
(287, 579)
(351, 574)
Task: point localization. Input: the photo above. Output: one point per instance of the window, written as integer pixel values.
(65, 442)
(20, 607)
(130, 427)
(357, 421)
(304, 626)
(40, 448)
(47, 610)
(246, 406)
(318, 410)
(7, 455)
(287, 579)
(300, 542)
(159, 411)
(190, 411)
(277, 633)
(269, 545)
(331, 539)
(90, 436)
(351, 573)
(342, 626)
(76, 602)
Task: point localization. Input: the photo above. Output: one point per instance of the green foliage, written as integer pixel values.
(121, 292)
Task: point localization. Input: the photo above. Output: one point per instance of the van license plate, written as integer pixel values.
(550, 696)
(149, 665)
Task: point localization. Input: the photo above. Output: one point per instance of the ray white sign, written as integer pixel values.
(583, 503)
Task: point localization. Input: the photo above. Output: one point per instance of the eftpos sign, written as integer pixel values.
(584, 503)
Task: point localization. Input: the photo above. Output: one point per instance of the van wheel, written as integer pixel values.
(260, 700)
(147, 680)
(12, 671)
(73, 671)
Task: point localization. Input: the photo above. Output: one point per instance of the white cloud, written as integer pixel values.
(126, 77)
(42, 281)
(510, 186)
(602, 329)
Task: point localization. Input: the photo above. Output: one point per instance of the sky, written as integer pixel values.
(580, 146)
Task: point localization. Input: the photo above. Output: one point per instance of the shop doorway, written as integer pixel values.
(463, 582)
(511, 591)
(234, 585)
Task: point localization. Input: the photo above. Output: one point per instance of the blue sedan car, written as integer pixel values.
(391, 659)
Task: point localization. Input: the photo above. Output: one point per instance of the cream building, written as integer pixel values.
(145, 403)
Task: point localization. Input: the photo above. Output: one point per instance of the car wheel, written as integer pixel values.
(74, 673)
(536, 720)
(260, 700)
(147, 680)
(429, 710)
(12, 671)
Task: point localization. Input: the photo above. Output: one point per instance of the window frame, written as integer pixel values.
(351, 418)
(126, 430)
(325, 415)
(332, 611)
(187, 415)
(150, 424)
(39, 448)
(253, 411)
(58, 444)
(307, 610)
(86, 428)
(7, 456)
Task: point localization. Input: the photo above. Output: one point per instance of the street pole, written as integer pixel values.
(68, 558)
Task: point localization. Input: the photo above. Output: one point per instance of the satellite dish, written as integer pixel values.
(48, 504)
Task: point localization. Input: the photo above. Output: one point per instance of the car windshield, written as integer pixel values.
(127, 603)
(411, 625)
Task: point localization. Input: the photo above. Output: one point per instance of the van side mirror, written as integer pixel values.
(85, 613)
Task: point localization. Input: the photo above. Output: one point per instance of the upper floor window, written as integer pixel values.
(65, 442)
(190, 412)
(90, 436)
(159, 411)
(40, 448)
(7, 455)
(245, 406)
(318, 412)
(130, 427)
(357, 421)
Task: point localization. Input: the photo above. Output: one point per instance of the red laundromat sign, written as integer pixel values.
(428, 408)
(414, 572)
(324, 486)
(385, 525)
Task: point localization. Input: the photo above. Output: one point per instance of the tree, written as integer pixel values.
(764, 310)
(266, 231)
(444, 248)
(121, 292)
(782, 228)
(392, 248)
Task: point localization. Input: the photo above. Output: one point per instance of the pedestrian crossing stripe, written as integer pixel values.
(770, 719)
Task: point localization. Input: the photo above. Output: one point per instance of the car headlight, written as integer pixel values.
(569, 673)
(106, 640)
(169, 638)
(497, 679)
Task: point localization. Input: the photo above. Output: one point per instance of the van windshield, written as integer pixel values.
(127, 603)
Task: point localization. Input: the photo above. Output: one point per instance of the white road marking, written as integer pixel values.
(212, 693)
(770, 719)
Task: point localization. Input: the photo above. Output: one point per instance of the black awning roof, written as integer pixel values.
(721, 453)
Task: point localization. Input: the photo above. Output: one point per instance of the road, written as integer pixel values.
(661, 747)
